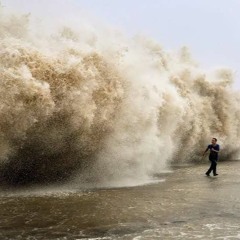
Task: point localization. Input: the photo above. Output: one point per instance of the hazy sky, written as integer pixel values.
(210, 28)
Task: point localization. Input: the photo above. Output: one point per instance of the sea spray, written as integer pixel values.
(89, 102)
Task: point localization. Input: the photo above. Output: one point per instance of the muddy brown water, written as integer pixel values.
(183, 204)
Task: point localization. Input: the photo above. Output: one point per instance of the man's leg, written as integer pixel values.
(215, 168)
(210, 169)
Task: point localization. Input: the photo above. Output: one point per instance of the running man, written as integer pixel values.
(213, 156)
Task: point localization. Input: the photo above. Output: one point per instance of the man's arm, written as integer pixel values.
(205, 150)
(216, 150)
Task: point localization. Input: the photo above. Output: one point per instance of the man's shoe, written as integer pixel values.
(207, 174)
(215, 174)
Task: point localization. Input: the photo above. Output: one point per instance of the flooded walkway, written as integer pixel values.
(186, 205)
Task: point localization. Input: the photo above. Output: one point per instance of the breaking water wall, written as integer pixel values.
(81, 99)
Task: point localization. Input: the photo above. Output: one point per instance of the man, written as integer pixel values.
(213, 156)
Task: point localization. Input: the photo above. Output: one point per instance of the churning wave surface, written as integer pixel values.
(88, 100)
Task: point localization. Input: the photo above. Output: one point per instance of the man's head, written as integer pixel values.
(214, 141)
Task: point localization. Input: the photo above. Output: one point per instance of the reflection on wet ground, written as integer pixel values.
(187, 205)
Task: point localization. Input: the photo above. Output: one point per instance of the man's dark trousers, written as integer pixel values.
(213, 167)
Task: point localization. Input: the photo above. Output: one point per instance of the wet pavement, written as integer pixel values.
(183, 204)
